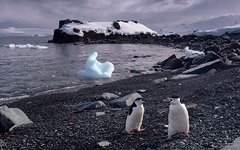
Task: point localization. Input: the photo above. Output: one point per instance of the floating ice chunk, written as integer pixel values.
(96, 70)
(26, 46)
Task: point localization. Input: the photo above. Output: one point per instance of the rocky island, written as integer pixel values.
(119, 31)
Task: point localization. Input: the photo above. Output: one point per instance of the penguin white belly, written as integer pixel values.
(178, 119)
(134, 120)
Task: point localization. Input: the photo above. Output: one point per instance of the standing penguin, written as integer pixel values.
(135, 117)
(178, 119)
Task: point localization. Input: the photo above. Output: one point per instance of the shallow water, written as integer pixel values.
(26, 71)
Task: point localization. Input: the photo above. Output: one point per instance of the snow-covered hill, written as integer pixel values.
(107, 28)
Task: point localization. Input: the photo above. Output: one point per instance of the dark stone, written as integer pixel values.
(107, 96)
(204, 68)
(116, 25)
(135, 56)
(2, 144)
(234, 45)
(76, 30)
(169, 58)
(134, 21)
(213, 48)
(172, 63)
(234, 57)
(121, 102)
(136, 71)
(209, 56)
(189, 38)
(89, 106)
(62, 37)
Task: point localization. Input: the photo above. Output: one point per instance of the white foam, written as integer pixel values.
(13, 98)
(26, 46)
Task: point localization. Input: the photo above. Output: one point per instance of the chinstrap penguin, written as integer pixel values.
(178, 118)
(135, 117)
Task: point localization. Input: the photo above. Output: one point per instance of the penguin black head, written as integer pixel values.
(174, 99)
(137, 102)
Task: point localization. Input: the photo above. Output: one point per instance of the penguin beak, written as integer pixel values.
(168, 100)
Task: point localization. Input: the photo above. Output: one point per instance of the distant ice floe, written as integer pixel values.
(126, 28)
(34, 32)
(220, 31)
(96, 70)
(26, 46)
(11, 30)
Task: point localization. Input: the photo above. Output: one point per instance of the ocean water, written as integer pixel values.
(26, 72)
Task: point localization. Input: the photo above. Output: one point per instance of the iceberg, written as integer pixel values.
(26, 46)
(95, 69)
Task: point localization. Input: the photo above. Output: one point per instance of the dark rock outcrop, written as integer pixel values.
(116, 25)
(62, 37)
(206, 67)
(171, 63)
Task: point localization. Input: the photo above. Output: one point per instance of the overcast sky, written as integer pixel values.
(158, 13)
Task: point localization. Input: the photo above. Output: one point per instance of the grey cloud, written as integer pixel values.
(45, 13)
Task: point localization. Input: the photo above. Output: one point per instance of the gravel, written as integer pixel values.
(214, 122)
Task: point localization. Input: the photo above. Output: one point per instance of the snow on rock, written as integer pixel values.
(95, 69)
(191, 53)
(26, 46)
(107, 28)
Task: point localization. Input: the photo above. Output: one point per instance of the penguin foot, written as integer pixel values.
(140, 130)
(186, 134)
(169, 138)
(135, 130)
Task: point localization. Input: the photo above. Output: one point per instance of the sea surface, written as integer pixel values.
(27, 72)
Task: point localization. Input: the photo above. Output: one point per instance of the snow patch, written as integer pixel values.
(26, 46)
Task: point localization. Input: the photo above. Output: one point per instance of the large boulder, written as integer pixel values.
(209, 56)
(107, 96)
(172, 62)
(89, 106)
(121, 102)
(206, 67)
(11, 118)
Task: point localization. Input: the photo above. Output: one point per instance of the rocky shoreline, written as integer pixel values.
(212, 99)
(214, 119)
